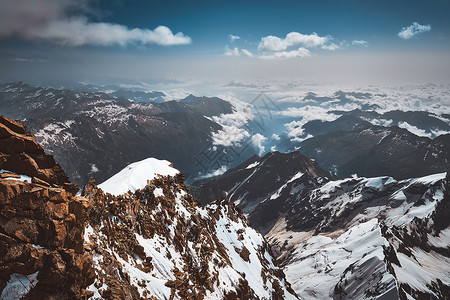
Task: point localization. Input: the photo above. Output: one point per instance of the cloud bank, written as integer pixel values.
(47, 20)
(411, 31)
(300, 52)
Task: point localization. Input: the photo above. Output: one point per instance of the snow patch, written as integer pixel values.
(136, 175)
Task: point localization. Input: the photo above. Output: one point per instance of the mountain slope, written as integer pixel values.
(150, 240)
(369, 237)
(264, 187)
(159, 241)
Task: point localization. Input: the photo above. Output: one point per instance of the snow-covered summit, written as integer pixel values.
(136, 175)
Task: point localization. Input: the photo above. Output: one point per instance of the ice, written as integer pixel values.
(136, 175)
(23, 178)
(19, 285)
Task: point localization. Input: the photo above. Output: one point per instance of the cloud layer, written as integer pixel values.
(300, 52)
(409, 32)
(47, 20)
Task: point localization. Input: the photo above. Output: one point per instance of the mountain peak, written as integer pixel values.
(136, 176)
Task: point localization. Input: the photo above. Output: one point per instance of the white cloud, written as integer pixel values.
(214, 173)
(273, 47)
(300, 52)
(232, 52)
(78, 31)
(359, 43)
(274, 43)
(413, 30)
(276, 137)
(257, 141)
(307, 113)
(236, 52)
(229, 136)
(379, 122)
(47, 20)
(233, 37)
(247, 53)
(413, 129)
(330, 47)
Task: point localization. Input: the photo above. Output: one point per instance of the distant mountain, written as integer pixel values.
(352, 144)
(377, 150)
(139, 96)
(417, 122)
(95, 134)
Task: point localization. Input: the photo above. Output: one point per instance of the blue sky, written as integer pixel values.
(208, 23)
(170, 38)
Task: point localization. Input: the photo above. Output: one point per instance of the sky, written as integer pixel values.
(192, 42)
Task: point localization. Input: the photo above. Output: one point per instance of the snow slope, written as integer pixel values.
(367, 238)
(136, 176)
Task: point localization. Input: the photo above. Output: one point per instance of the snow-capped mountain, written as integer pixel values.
(157, 240)
(367, 238)
(145, 238)
(355, 238)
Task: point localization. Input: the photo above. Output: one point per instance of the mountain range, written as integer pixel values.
(352, 238)
(97, 134)
(176, 204)
(150, 240)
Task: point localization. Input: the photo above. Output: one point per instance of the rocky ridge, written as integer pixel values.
(41, 222)
(160, 243)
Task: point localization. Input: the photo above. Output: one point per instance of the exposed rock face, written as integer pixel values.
(41, 222)
(160, 243)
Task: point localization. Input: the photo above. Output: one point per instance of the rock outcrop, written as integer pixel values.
(41, 223)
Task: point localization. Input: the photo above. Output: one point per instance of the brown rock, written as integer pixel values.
(41, 222)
